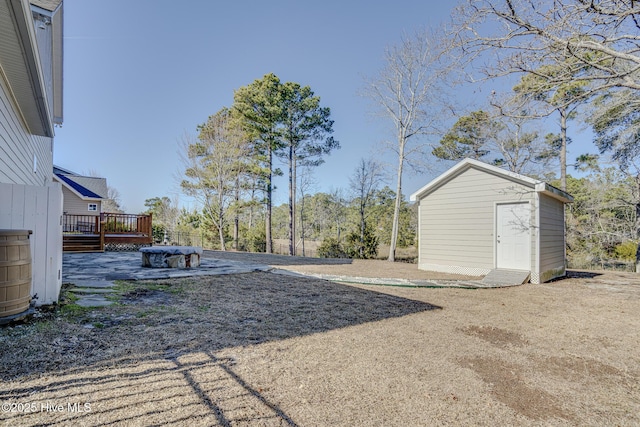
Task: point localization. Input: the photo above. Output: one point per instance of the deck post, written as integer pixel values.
(102, 227)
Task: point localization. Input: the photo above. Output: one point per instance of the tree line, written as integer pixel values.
(335, 224)
(548, 64)
(565, 61)
(231, 164)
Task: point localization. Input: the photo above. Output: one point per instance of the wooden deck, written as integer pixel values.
(92, 233)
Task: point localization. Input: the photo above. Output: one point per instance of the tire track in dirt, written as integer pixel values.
(505, 379)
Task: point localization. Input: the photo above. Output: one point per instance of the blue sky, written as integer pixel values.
(139, 74)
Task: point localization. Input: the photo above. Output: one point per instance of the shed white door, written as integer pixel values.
(513, 236)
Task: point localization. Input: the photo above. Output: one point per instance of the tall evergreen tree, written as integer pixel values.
(305, 135)
(468, 137)
(259, 106)
(563, 98)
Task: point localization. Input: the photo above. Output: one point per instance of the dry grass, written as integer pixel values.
(339, 266)
(264, 349)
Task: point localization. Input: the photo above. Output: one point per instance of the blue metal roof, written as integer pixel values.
(84, 191)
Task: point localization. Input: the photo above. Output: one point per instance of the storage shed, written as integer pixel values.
(476, 217)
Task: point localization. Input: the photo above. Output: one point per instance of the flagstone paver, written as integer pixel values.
(93, 274)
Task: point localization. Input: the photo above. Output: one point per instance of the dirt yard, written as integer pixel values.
(269, 349)
(339, 266)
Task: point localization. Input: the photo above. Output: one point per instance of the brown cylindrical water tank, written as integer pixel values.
(15, 272)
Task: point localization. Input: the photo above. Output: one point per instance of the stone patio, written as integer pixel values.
(93, 274)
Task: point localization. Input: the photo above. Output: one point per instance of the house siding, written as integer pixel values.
(457, 221)
(28, 197)
(74, 205)
(18, 148)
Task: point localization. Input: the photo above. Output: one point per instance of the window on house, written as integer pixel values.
(93, 207)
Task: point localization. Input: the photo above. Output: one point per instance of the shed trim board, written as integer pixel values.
(458, 221)
(538, 186)
(536, 258)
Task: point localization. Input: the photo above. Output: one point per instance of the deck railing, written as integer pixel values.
(115, 228)
(111, 223)
(81, 224)
(117, 223)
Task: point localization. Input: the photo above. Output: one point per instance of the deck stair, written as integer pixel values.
(81, 243)
(501, 276)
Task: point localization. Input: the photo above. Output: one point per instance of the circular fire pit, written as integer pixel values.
(171, 256)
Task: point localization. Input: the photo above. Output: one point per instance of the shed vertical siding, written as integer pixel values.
(39, 209)
(552, 241)
(457, 221)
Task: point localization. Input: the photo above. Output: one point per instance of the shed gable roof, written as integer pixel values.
(466, 164)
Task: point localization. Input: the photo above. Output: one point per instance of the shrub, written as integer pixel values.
(256, 240)
(366, 250)
(331, 248)
(158, 233)
(627, 251)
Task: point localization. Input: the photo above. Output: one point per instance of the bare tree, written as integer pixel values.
(165, 211)
(112, 202)
(563, 43)
(364, 182)
(212, 167)
(337, 214)
(306, 183)
(597, 41)
(522, 149)
(407, 90)
(616, 122)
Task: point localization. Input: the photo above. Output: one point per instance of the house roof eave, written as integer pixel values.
(23, 70)
(65, 182)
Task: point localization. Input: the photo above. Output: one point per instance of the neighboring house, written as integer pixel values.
(476, 217)
(83, 195)
(30, 106)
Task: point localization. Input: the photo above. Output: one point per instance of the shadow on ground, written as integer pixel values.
(272, 259)
(576, 274)
(195, 389)
(159, 344)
